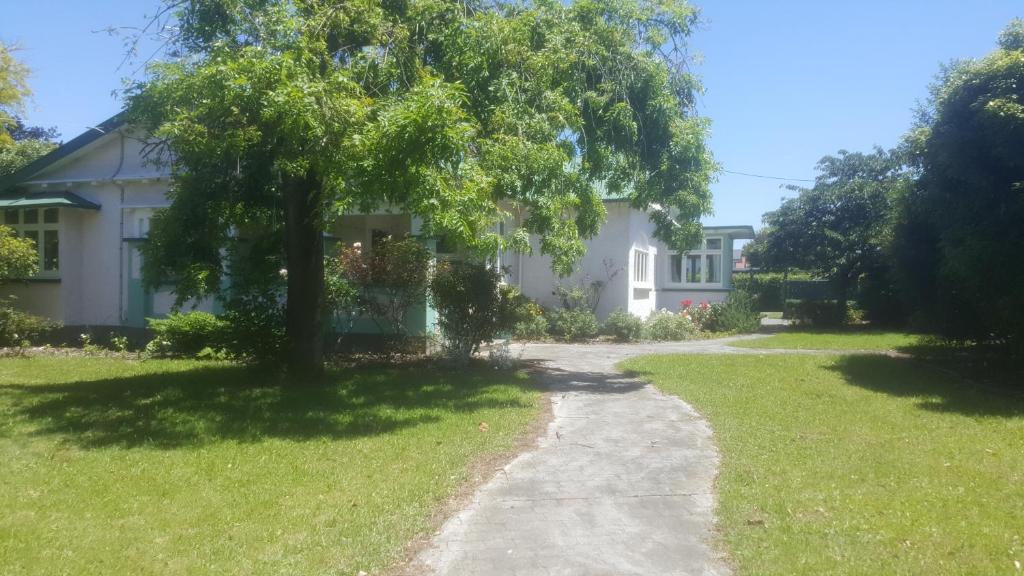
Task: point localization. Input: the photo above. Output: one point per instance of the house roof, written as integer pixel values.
(47, 200)
(62, 151)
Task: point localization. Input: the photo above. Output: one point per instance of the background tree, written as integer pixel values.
(839, 229)
(961, 234)
(27, 143)
(284, 114)
(14, 90)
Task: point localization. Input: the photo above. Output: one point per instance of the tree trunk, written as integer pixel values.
(304, 250)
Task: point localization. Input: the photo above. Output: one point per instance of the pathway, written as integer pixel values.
(620, 484)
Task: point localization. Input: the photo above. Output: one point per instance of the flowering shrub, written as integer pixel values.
(382, 284)
(703, 314)
(667, 326)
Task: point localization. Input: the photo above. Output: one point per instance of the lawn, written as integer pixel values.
(857, 464)
(837, 340)
(172, 467)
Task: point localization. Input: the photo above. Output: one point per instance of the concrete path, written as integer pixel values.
(620, 484)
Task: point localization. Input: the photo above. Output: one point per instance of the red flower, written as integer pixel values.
(687, 303)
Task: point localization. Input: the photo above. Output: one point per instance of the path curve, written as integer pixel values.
(621, 483)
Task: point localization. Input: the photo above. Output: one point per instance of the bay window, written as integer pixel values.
(699, 267)
(42, 226)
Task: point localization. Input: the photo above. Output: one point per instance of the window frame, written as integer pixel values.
(642, 273)
(703, 254)
(41, 227)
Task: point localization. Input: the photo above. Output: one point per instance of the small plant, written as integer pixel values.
(667, 326)
(17, 327)
(573, 325)
(119, 343)
(500, 356)
(532, 325)
(624, 327)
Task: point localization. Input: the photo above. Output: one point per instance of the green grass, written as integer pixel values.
(838, 340)
(171, 467)
(857, 464)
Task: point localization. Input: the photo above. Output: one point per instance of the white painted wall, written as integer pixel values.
(606, 260)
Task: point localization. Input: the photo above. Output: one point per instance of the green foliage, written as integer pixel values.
(666, 326)
(573, 325)
(842, 226)
(119, 343)
(460, 114)
(14, 91)
(185, 335)
(532, 324)
(255, 327)
(737, 314)
(623, 326)
(472, 305)
(18, 328)
(767, 288)
(19, 154)
(961, 235)
(18, 256)
(819, 313)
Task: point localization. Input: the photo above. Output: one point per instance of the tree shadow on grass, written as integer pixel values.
(939, 390)
(220, 403)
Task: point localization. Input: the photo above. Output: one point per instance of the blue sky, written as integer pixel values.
(787, 82)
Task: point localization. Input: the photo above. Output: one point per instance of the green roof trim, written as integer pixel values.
(47, 200)
(62, 151)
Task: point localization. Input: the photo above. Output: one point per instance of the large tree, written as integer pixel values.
(840, 228)
(962, 236)
(283, 114)
(27, 143)
(14, 90)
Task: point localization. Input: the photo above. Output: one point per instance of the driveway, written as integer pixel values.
(621, 483)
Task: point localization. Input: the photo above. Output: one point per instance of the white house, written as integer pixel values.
(88, 205)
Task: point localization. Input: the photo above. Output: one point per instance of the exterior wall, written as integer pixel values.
(606, 260)
(643, 298)
(41, 298)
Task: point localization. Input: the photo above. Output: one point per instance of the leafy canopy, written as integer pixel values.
(838, 228)
(18, 256)
(962, 231)
(464, 113)
(14, 90)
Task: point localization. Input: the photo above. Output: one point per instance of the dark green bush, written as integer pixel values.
(255, 327)
(17, 327)
(186, 334)
(767, 288)
(821, 313)
(623, 326)
(573, 325)
(473, 306)
(737, 314)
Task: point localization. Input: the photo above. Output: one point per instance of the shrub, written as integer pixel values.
(532, 324)
(737, 314)
(384, 283)
(255, 327)
(623, 326)
(703, 314)
(472, 305)
(822, 313)
(573, 325)
(18, 328)
(667, 326)
(186, 334)
(767, 288)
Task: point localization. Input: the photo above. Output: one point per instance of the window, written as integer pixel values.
(699, 266)
(641, 267)
(42, 226)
